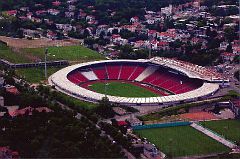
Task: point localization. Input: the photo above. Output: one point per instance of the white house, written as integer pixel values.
(134, 19)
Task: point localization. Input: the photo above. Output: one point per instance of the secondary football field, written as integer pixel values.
(230, 129)
(71, 53)
(35, 75)
(76, 53)
(181, 141)
(122, 89)
(7, 53)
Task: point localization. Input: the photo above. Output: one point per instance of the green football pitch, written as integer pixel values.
(7, 53)
(122, 89)
(71, 53)
(35, 75)
(181, 141)
(230, 129)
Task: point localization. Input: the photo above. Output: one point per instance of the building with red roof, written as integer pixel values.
(139, 43)
(166, 36)
(51, 35)
(56, 3)
(41, 12)
(122, 123)
(6, 153)
(227, 56)
(29, 111)
(12, 90)
(152, 33)
(163, 45)
(236, 50)
(11, 12)
(134, 19)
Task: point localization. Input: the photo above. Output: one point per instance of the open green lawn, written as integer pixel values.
(122, 89)
(181, 141)
(72, 53)
(230, 129)
(76, 101)
(7, 54)
(35, 75)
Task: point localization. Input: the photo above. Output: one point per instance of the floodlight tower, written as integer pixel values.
(105, 85)
(150, 51)
(45, 65)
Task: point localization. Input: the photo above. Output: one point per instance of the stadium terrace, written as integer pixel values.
(176, 80)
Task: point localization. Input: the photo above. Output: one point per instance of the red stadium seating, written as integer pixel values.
(73, 79)
(136, 72)
(161, 78)
(126, 71)
(170, 81)
(100, 72)
(113, 71)
(76, 77)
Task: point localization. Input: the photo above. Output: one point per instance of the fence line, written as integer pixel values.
(31, 65)
(161, 125)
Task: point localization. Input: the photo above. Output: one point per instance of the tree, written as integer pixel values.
(127, 52)
(126, 34)
(229, 34)
(89, 41)
(104, 108)
(229, 48)
(9, 80)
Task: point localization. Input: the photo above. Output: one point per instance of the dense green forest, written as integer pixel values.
(55, 135)
(124, 9)
(100, 4)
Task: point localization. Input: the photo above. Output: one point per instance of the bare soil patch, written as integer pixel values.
(37, 43)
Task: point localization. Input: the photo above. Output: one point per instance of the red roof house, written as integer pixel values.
(122, 123)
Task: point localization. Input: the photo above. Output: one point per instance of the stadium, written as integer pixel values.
(169, 81)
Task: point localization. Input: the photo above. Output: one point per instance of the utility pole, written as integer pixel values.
(46, 52)
(105, 85)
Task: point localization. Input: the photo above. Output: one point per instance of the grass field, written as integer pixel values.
(77, 102)
(35, 75)
(230, 129)
(182, 141)
(122, 89)
(37, 43)
(7, 54)
(71, 53)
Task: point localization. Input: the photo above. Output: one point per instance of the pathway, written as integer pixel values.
(213, 135)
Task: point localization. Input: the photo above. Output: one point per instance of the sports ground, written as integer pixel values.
(230, 129)
(35, 75)
(27, 51)
(182, 141)
(71, 53)
(198, 116)
(122, 89)
(7, 54)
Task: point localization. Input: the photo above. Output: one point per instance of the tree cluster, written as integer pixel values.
(55, 135)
